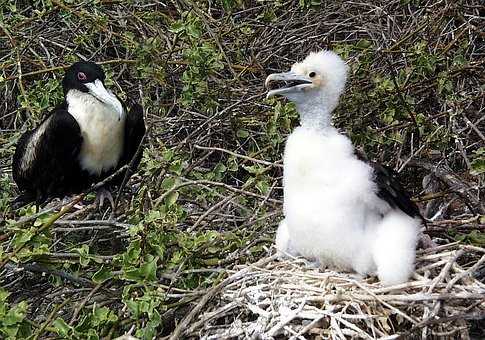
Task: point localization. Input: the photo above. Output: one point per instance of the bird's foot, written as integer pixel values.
(22, 200)
(18, 203)
(357, 276)
(101, 195)
(426, 242)
(312, 263)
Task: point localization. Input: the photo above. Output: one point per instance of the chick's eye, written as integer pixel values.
(312, 74)
(81, 76)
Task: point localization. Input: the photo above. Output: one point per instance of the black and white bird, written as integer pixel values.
(82, 141)
(339, 210)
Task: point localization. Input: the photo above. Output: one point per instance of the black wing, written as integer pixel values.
(45, 163)
(390, 190)
(134, 131)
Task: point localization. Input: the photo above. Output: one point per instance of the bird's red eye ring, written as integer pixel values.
(81, 76)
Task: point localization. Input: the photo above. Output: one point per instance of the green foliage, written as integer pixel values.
(474, 237)
(478, 162)
(283, 119)
(6, 193)
(389, 97)
(230, 5)
(309, 3)
(103, 274)
(145, 272)
(41, 97)
(203, 61)
(31, 243)
(90, 326)
(84, 257)
(189, 26)
(144, 306)
(12, 318)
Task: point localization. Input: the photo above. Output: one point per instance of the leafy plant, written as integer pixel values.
(13, 324)
(478, 162)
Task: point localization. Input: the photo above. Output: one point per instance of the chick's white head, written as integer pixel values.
(317, 80)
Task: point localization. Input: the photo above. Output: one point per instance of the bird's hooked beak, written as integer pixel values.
(97, 89)
(288, 82)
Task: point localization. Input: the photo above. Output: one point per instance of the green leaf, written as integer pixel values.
(256, 169)
(168, 155)
(153, 215)
(220, 168)
(232, 164)
(478, 166)
(135, 229)
(478, 163)
(3, 295)
(146, 272)
(22, 237)
(475, 237)
(133, 307)
(156, 240)
(132, 254)
(241, 133)
(12, 319)
(83, 252)
(102, 275)
(177, 27)
(363, 44)
(62, 328)
(92, 334)
(176, 167)
(169, 183)
(16, 314)
(171, 199)
(263, 186)
(102, 315)
(149, 270)
(39, 221)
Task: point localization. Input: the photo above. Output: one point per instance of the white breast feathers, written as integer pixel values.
(101, 129)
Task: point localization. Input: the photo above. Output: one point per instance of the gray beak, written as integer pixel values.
(292, 82)
(97, 89)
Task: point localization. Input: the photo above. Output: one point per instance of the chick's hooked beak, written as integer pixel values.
(287, 82)
(97, 89)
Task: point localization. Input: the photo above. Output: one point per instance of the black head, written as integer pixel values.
(81, 73)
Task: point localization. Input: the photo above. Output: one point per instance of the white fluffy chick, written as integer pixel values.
(339, 210)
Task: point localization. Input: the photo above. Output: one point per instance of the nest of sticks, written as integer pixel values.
(274, 299)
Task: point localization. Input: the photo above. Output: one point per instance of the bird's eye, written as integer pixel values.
(81, 76)
(312, 74)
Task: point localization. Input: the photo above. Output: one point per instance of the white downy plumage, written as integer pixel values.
(333, 214)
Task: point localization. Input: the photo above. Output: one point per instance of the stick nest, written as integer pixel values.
(288, 299)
